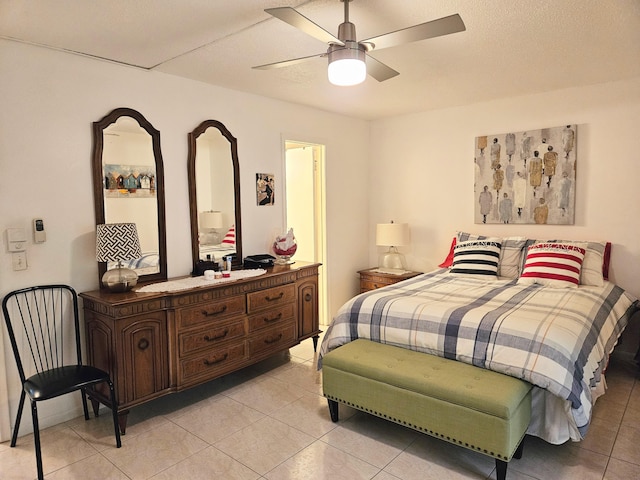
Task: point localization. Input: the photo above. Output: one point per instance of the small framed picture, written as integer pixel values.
(265, 189)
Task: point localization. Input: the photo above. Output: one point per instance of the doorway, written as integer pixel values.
(305, 208)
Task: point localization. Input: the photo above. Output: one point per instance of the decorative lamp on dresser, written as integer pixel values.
(156, 343)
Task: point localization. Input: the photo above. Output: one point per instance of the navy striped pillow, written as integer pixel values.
(477, 257)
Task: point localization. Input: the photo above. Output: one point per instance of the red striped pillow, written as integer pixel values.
(230, 237)
(553, 264)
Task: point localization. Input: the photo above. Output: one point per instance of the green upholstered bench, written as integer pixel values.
(469, 406)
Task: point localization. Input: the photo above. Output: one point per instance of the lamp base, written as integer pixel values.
(392, 260)
(119, 279)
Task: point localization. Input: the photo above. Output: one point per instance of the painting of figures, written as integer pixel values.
(526, 177)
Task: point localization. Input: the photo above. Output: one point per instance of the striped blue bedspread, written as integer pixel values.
(556, 339)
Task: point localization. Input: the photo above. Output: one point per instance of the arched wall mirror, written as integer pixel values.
(214, 194)
(128, 184)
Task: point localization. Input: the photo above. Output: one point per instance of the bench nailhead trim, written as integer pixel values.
(416, 427)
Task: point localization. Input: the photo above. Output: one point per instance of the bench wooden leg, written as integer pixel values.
(519, 450)
(333, 410)
(501, 465)
(501, 469)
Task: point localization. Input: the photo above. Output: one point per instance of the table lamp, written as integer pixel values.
(209, 223)
(116, 242)
(392, 235)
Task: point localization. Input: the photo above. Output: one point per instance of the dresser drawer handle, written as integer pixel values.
(307, 297)
(274, 319)
(273, 340)
(273, 299)
(216, 337)
(143, 344)
(216, 360)
(213, 314)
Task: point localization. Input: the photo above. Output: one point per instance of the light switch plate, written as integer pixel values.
(19, 261)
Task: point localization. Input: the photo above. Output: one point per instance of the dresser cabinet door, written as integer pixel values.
(308, 322)
(144, 356)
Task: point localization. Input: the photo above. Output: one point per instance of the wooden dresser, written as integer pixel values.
(153, 344)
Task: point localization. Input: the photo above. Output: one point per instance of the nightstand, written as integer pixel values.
(370, 279)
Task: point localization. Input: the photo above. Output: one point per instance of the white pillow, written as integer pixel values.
(477, 258)
(511, 256)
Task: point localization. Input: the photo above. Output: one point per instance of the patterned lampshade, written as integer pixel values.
(117, 241)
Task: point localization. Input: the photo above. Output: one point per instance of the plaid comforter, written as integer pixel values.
(558, 339)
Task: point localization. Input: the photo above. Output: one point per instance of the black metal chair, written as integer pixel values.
(44, 321)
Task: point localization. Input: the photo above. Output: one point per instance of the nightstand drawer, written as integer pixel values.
(371, 279)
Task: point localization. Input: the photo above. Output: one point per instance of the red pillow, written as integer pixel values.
(553, 264)
(230, 237)
(449, 260)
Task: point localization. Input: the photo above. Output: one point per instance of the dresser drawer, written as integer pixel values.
(274, 339)
(271, 318)
(213, 363)
(270, 298)
(208, 312)
(211, 335)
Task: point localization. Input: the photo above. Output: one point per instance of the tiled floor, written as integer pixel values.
(271, 422)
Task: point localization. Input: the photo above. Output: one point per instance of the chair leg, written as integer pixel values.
(114, 412)
(16, 427)
(36, 439)
(84, 404)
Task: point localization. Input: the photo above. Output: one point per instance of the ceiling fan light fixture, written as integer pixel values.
(347, 64)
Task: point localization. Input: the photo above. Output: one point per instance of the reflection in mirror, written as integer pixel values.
(129, 186)
(214, 194)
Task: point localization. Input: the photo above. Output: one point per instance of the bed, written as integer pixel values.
(557, 338)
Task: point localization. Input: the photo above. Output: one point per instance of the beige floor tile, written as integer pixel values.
(304, 376)
(264, 444)
(61, 447)
(626, 446)
(600, 437)
(155, 450)
(567, 461)
(310, 413)
(208, 464)
(320, 461)
(305, 349)
(619, 470)
(218, 419)
(385, 476)
(266, 394)
(370, 438)
(98, 432)
(95, 467)
(429, 458)
(609, 411)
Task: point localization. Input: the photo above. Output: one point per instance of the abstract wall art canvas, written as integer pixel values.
(526, 177)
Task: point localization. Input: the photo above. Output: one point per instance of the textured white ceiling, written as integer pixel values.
(510, 47)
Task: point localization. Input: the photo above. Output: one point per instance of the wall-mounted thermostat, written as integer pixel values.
(39, 235)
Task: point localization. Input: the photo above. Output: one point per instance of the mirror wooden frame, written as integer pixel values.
(98, 186)
(193, 204)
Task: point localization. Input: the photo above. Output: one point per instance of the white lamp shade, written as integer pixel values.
(211, 220)
(392, 234)
(117, 241)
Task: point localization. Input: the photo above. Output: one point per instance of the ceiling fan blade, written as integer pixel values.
(434, 28)
(295, 19)
(379, 70)
(288, 63)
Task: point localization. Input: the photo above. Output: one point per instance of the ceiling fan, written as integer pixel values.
(347, 56)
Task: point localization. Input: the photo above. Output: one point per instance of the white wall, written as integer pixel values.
(422, 172)
(49, 100)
